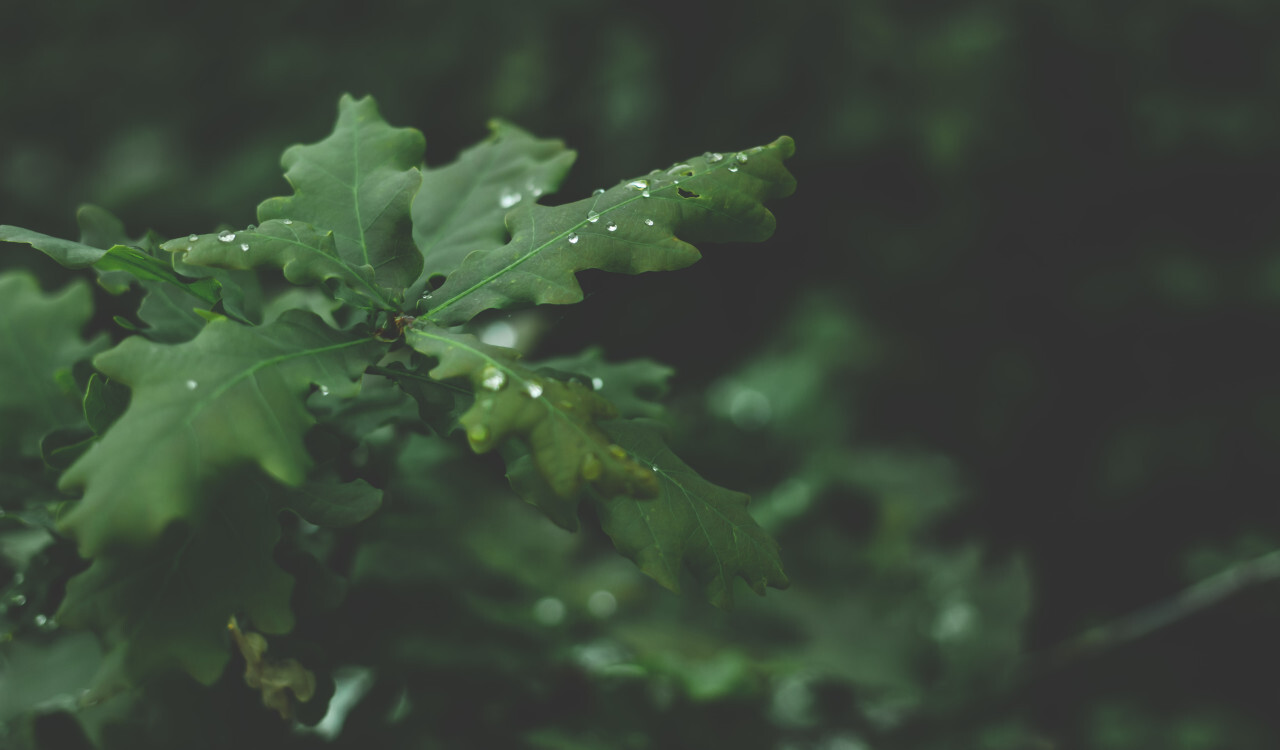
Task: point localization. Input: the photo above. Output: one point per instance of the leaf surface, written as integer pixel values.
(691, 523)
(635, 386)
(39, 342)
(461, 205)
(167, 606)
(645, 224)
(358, 183)
(556, 420)
(333, 503)
(233, 395)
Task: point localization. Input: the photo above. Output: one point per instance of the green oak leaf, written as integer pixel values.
(333, 503)
(358, 183)
(691, 523)
(39, 342)
(634, 386)
(557, 420)
(233, 395)
(644, 224)
(461, 205)
(167, 605)
(67, 253)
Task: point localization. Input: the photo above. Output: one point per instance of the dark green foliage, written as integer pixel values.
(241, 399)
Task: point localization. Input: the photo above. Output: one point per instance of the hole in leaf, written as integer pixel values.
(435, 281)
(686, 193)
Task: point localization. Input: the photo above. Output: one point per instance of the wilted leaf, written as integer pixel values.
(39, 339)
(461, 205)
(642, 225)
(692, 523)
(233, 395)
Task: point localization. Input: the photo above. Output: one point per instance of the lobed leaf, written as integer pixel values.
(557, 420)
(460, 206)
(167, 606)
(691, 523)
(39, 342)
(642, 225)
(233, 395)
(358, 183)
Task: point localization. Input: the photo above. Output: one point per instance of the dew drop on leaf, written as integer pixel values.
(493, 378)
(191, 385)
(597, 384)
(644, 193)
(648, 222)
(40, 620)
(741, 156)
(733, 167)
(638, 184)
(226, 236)
(244, 247)
(679, 168)
(324, 391)
(286, 221)
(509, 198)
(593, 217)
(573, 238)
(18, 600)
(533, 389)
(612, 227)
(192, 237)
(713, 158)
(598, 191)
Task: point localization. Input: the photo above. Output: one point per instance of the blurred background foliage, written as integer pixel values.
(1000, 376)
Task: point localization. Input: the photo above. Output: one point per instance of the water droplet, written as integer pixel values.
(478, 433)
(493, 378)
(598, 191)
(611, 227)
(733, 167)
(287, 221)
(713, 158)
(597, 384)
(573, 238)
(534, 389)
(47, 624)
(192, 237)
(756, 149)
(244, 247)
(40, 620)
(191, 385)
(18, 600)
(638, 184)
(509, 198)
(324, 391)
(251, 227)
(679, 168)
(548, 611)
(644, 193)
(602, 604)
(648, 222)
(593, 217)
(741, 156)
(226, 236)
(426, 295)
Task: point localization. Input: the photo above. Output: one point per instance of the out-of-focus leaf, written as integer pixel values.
(104, 401)
(40, 338)
(460, 206)
(691, 523)
(644, 224)
(67, 252)
(634, 386)
(167, 606)
(233, 395)
(555, 419)
(326, 503)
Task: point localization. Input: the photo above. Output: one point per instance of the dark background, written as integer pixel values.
(1057, 219)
